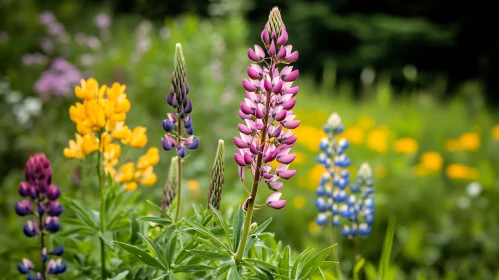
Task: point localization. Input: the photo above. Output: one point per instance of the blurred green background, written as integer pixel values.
(412, 81)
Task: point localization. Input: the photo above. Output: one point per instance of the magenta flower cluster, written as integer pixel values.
(266, 134)
(40, 201)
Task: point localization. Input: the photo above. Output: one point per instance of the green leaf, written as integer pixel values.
(223, 268)
(185, 251)
(157, 251)
(192, 268)
(224, 226)
(141, 255)
(284, 262)
(207, 255)
(170, 247)
(237, 227)
(83, 214)
(358, 266)
(384, 263)
(262, 263)
(249, 245)
(157, 220)
(313, 263)
(159, 210)
(325, 265)
(261, 271)
(120, 276)
(234, 275)
(262, 227)
(134, 230)
(295, 271)
(206, 233)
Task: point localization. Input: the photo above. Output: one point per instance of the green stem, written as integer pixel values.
(356, 246)
(102, 213)
(42, 235)
(254, 189)
(336, 257)
(179, 181)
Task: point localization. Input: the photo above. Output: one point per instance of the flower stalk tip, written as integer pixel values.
(217, 177)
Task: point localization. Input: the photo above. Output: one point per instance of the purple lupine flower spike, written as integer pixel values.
(267, 109)
(39, 192)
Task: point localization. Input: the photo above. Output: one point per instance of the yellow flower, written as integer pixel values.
(299, 202)
(300, 158)
(460, 171)
(148, 177)
(314, 176)
(495, 132)
(122, 132)
(74, 150)
(420, 170)
(309, 136)
(138, 139)
(469, 141)
(111, 155)
(377, 140)
(131, 186)
(354, 135)
(432, 161)
(366, 122)
(151, 158)
(126, 173)
(193, 185)
(89, 144)
(89, 89)
(406, 145)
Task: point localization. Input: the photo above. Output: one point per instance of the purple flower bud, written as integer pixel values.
(168, 125)
(168, 142)
(267, 85)
(253, 74)
(181, 151)
(239, 159)
(293, 57)
(188, 107)
(244, 129)
(259, 113)
(188, 122)
(280, 116)
(41, 209)
(248, 158)
(288, 105)
(274, 202)
(282, 39)
(58, 251)
(272, 50)
(291, 124)
(169, 99)
(249, 86)
(265, 37)
(56, 267)
(286, 174)
(240, 171)
(23, 208)
(54, 208)
(270, 156)
(287, 159)
(246, 109)
(278, 87)
(44, 255)
(277, 131)
(253, 56)
(53, 192)
(275, 186)
(290, 140)
(190, 130)
(291, 76)
(281, 54)
(30, 229)
(240, 143)
(51, 224)
(293, 91)
(253, 149)
(243, 116)
(26, 266)
(192, 143)
(24, 189)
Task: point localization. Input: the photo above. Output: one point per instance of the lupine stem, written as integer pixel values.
(335, 253)
(256, 181)
(179, 181)
(42, 235)
(102, 214)
(356, 246)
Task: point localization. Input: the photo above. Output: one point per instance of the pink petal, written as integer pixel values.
(248, 159)
(287, 159)
(288, 105)
(291, 76)
(246, 109)
(276, 186)
(291, 124)
(253, 56)
(239, 159)
(248, 86)
(278, 204)
(244, 129)
(240, 143)
(292, 57)
(287, 174)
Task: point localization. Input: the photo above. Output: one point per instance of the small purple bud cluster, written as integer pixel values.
(177, 98)
(41, 202)
(267, 111)
(338, 198)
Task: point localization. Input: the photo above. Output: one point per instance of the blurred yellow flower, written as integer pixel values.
(309, 136)
(74, 150)
(299, 202)
(469, 141)
(300, 158)
(151, 158)
(354, 135)
(377, 140)
(314, 176)
(193, 185)
(147, 177)
(406, 145)
(313, 227)
(126, 173)
(366, 122)
(131, 186)
(138, 138)
(432, 161)
(460, 171)
(495, 132)
(89, 144)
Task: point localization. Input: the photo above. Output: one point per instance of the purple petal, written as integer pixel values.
(293, 57)
(258, 113)
(253, 74)
(267, 85)
(248, 86)
(281, 54)
(243, 115)
(278, 87)
(239, 159)
(288, 105)
(287, 174)
(248, 159)
(253, 56)
(291, 124)
(290, 140)
(276, 186)
(274, 197)
(291, 76)
(240, 143)
(281, 116)
(246, 109)
(259, 51)
(282, 39)
(272, 50)
(244, 129)
(278, 204)
(293, 91)
(287, 159)
(265, 37)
